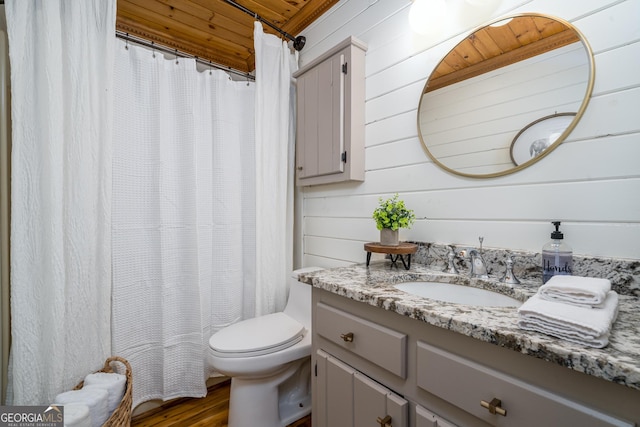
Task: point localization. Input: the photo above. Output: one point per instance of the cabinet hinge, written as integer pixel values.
(344, 68)
(344, 157)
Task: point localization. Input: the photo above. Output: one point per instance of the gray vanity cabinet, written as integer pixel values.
(370, 363)
(330, 116)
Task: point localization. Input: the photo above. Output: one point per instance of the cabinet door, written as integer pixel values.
(348, 398)
(340, 405)
(373, 402)
(321, 119)
(425, 418)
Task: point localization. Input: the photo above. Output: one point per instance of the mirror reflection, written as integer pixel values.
(496, 82)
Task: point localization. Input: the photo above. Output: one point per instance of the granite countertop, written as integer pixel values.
(618, 362)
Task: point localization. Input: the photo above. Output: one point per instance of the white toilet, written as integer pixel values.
(268, 360)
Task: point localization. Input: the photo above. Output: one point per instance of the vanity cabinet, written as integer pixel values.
(368, 357)
(330, 116)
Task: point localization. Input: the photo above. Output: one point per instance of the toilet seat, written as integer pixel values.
(257, 336)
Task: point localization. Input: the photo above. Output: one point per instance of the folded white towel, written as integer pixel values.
(95, 398)
(112, 382)
(583, 325)
(76, 415)
(590, 291)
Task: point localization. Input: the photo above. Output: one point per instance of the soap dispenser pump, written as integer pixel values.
(557, 256)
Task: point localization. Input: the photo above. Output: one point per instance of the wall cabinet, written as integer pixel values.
(330, 116)
(369, 361)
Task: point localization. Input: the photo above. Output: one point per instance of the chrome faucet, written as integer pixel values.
(478, 265)
(509, 278)
(451, 257)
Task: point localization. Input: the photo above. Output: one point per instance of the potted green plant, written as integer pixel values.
(391, 215)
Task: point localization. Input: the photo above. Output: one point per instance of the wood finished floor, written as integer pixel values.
(209, 411)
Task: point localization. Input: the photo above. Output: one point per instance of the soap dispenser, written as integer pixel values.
(557, 256)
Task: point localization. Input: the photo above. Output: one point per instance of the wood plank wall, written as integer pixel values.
(591, 182)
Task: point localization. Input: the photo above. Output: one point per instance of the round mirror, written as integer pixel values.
(528, 72)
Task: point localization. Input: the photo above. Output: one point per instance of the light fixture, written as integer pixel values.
(427, 16)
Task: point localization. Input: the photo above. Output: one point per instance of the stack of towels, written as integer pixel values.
(577, 309)
(93, 404)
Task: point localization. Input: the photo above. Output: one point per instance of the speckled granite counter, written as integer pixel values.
(619, 362)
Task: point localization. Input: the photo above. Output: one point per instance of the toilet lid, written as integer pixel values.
(257, 336)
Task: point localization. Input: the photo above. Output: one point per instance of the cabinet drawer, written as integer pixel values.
(378, 344)
(465, 384)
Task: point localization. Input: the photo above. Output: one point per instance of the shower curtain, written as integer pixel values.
(61, 55)
(275, 106)
(202, 208)
(183, 217)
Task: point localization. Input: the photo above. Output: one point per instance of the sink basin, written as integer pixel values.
(458, 294)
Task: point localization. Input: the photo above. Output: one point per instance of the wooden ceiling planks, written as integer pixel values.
(214, 30)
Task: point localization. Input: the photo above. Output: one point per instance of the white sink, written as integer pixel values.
(458, 294)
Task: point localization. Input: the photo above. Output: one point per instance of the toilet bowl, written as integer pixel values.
(268, 360)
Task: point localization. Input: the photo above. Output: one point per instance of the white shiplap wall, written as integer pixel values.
(591, 182)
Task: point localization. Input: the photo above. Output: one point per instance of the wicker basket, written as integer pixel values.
(121, 416)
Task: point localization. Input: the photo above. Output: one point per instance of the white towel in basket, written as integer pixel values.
(583, 325)
(95, 398)
(76, 415)
(113, 383)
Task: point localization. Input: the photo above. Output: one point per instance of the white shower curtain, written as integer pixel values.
(61, 55)
(274, 168)
(183, 217)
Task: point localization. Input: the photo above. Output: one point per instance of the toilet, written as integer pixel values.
(268, 360)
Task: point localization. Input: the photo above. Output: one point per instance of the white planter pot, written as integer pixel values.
(389, 237)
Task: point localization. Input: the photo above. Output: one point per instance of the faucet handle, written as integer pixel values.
(509, 278)
(451, 256)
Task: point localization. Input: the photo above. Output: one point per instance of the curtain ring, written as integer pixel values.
(153, 50)
(177, 62)
(210, 68)
(126, 42)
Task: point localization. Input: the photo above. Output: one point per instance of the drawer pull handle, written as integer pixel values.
(494, 407)
(385, 422)
(348, 337)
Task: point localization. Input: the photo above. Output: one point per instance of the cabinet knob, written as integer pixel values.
(348, 337)
(494, 406)
(299, 168)
(385, 422)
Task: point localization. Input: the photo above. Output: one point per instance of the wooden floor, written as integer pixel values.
(210, 411)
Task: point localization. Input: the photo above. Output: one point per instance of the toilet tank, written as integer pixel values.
(299, 300)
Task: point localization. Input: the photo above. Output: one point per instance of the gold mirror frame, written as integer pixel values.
(561, 137)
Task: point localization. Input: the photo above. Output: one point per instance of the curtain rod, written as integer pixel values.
(176, 52)
(298, 42)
